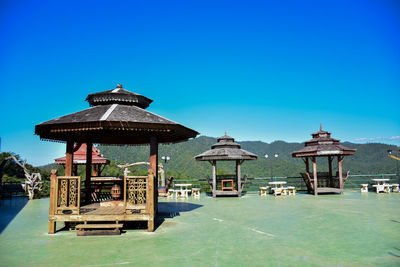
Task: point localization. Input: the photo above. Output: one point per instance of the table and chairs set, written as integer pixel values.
(277, 188)
(381, 186)
(183, 190)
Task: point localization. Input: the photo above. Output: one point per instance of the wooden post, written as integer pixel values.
(307, 164)
(53, 199)
(69, 158)
(88, 191)
(238, 174)
(152, 181)
(96, 170)
(150, 202)
(154, 155)
(330, 171)
(314, 162)
(214, 165)
(340, 159)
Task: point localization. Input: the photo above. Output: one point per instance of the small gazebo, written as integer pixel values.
(226, 150)
(98, 161)
(116, 117)
(323, 145)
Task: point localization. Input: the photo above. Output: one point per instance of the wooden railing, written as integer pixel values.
(136, 193)
(65, 194)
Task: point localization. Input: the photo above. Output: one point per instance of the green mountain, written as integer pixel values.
(369, 159)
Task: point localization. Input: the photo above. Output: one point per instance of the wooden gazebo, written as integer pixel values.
(226, 150)
(116, 117)
(323, 145)
(98, 161)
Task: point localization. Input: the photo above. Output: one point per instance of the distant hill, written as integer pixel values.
(369, 159)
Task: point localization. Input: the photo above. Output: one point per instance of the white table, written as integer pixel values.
(183, 191)
(381, 186)
(277, 187)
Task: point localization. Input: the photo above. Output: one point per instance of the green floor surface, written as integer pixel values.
(302, 230)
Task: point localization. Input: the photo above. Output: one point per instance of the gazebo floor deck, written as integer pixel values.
(220, 193)
(328, 190)
(95, 212)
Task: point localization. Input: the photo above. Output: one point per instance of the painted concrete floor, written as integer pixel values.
(330, 230)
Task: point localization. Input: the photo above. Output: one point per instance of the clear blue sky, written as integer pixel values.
(260, 70)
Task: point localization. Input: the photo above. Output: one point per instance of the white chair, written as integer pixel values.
(263, 191)
(196, 192)
(291, 190)
(395, 188)
(364, 188)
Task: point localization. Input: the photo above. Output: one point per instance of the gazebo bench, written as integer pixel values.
(263, 190)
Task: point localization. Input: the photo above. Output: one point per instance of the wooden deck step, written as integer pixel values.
(98, 229)
(99, 226)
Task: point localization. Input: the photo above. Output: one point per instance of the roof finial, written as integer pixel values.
(119, 85)
(320, 126)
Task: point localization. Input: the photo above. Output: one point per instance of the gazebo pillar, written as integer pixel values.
(214, 174)
(330, 170)
(314, 162)
(238, 176)
(69, 158)
(154, 155)
(88, 171)
(307, 164)
(340, 159)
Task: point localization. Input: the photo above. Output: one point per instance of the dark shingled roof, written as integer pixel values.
(113, 121)
(226, 149)
(322, 144)
(118, 96)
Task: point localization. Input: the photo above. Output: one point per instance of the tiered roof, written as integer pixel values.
(322, 144)
(117, 117)
(226, 149)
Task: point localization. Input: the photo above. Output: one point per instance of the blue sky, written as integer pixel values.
(262, 70)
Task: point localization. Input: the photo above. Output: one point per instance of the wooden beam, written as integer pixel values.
(340, 159)
(238, 175)
(214, 165)
(53, 201)
(314, 162)
(330, 170)
(69, 158)
(307, 164)
(154, 155)
(88, 192)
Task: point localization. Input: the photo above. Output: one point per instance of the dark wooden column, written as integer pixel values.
(69, 158)
(214, 165)
(152, 186)
(307, 164)
(330, 171)
(314, 162)
(88, 171)
(238, 175)
(154, 155)
(340, 159)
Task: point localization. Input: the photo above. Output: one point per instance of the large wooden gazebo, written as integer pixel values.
(116, 117)
(323, 145)
(98, 161)
(226, 150)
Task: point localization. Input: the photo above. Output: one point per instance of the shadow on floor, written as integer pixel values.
(165, 210)
(9, 208)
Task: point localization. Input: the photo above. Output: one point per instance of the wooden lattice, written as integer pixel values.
(72, 193)
(63, 193)
(136, 191)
